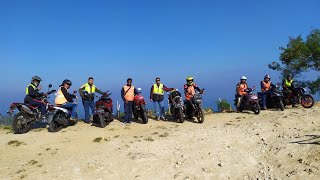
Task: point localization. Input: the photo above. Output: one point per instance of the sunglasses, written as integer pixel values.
(158, 80)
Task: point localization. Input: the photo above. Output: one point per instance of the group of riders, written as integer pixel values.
(87, 92)
(265, 85)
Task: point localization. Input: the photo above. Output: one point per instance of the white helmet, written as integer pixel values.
(243, 78)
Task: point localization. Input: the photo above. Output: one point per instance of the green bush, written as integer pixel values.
(223, 105)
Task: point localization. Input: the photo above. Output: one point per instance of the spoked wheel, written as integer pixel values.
(256, 108)
(18, 126)
(200, 115)
(307, 101)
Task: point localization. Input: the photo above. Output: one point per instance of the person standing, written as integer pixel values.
(157, 96)
(127, 93)
(87, 94)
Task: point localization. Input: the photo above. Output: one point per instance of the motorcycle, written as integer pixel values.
(298, 96)
(104, 110)
(194, 109)
(61, 118)
(249, 102)
(28, 115)
(274, 98)
(139, 107)
(176, 105)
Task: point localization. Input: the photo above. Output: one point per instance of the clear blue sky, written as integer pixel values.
(216, 42)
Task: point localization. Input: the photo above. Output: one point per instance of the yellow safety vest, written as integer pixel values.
(158, 89)
(288, 83)
(89, 89)
(27, 89)
(60, 99)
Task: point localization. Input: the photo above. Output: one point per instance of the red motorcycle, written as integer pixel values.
(249, 102)
(298, 96)
(139, 107)
(104, 111)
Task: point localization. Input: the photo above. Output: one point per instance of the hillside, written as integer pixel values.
(274, 144)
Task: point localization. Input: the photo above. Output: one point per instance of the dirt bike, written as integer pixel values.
(298, 96)
(104, 111)
(274, 98)
(61, 118)
(193, 107)
(139, 107)
(249, 102)
(176, 105)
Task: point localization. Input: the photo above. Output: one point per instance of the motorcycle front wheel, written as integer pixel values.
(281, 105)
(200, 115)
(180, 116)
(307, 101)
(144, 116)
(54, 126)
(18, 126)
(256, 108)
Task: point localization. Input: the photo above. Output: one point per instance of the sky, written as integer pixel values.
(216, 42)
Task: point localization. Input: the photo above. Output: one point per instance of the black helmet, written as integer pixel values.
(67, 81)
(36, 78)
(267, 76)
(289, 76)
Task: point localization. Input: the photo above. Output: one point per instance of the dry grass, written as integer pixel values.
(32, 162)
(164, 135)
(149, 139)
(16, 143)
(98, 139)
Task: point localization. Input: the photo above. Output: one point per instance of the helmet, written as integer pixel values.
(289, 76)
(267, 76)
(243, 78)
(67, 81)
(36, 78)
(190, 80)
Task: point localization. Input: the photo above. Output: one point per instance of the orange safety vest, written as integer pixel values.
(241, 88)
(129, 93)
(266, 86)
(190, 92)
(60, 99)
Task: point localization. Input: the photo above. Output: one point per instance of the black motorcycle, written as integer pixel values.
(104, 111)
(194, 107)
(274, 98)
(176, 105)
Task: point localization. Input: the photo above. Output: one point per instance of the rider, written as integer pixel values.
(65, 100)
(287, 86)
(33, 96)
(240, 90)
(190, 90)
(265, 86)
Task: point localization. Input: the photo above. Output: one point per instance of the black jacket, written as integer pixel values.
(67, 95)
(32, 94)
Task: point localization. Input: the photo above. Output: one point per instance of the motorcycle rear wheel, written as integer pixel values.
(17, 126)
(103, 123)
(307, 101)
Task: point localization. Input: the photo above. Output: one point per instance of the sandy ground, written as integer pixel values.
(272, 145)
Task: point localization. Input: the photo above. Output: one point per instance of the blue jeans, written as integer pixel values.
(128, 111)
(86, 105)
(159, 108)
(40, 104)
(73, 107)
(264, 99)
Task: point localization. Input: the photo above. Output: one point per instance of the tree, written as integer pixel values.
(301, 56)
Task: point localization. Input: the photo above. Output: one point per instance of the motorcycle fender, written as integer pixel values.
(26, 109)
